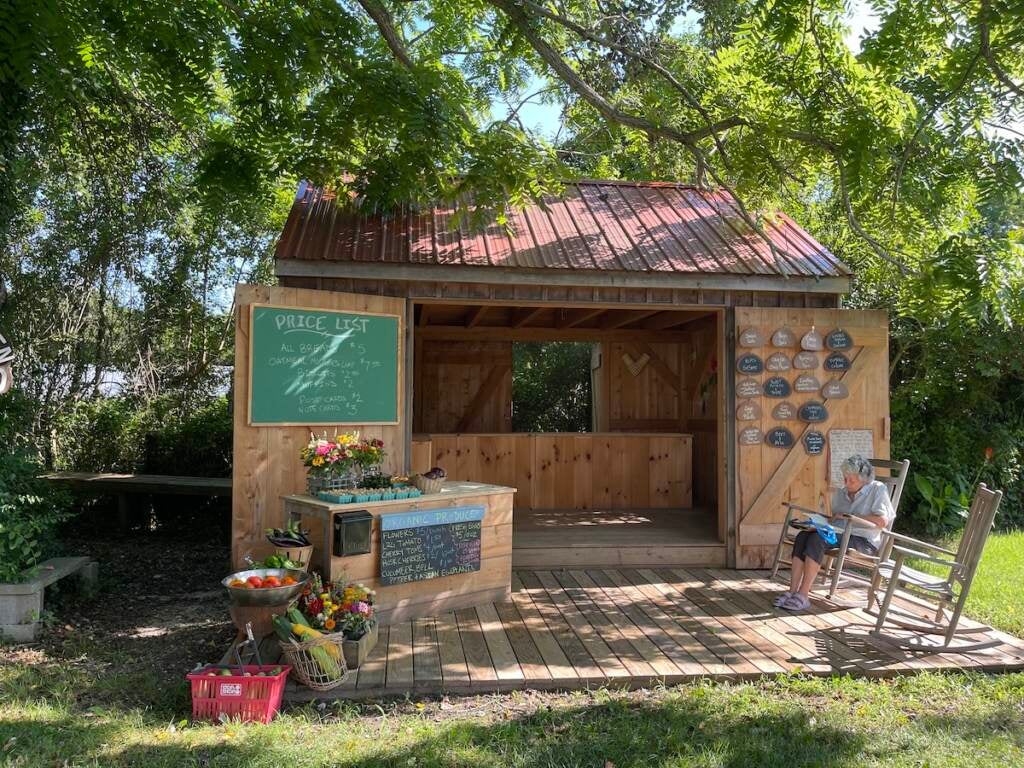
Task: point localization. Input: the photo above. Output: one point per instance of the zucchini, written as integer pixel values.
(296, 616)
(282, 628)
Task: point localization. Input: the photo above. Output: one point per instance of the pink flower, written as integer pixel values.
(360, 607)
(322, 449)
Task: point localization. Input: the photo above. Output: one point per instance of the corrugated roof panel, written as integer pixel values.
(595, 225)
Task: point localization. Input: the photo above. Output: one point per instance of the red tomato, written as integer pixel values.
(255, 581)
(271, 581)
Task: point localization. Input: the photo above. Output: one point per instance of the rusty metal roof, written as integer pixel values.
(611, 226)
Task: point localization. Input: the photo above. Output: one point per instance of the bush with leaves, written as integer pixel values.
(30, 511)
(551, 389)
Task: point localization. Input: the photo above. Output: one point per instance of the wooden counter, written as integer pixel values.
(427, 597)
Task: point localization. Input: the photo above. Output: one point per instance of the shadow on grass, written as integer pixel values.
(690, 730)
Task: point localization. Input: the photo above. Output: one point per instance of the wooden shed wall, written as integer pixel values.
(266, 458)
(462, 386)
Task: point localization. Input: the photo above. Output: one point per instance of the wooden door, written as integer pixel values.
(767, 476)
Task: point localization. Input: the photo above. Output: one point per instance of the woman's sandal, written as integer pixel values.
(778, 601)
(796, 602)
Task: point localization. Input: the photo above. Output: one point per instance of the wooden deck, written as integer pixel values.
(572, 629)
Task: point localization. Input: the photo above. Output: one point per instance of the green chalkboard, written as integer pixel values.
(311, 366)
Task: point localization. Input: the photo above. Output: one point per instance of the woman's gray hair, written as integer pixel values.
(858, 465)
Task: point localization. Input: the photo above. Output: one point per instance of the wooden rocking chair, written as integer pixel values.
(840, 555)
(951, 589)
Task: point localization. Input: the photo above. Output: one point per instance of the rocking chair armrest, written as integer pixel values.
(857, 521)
(916, 542)
(797, 508)
(907, 552)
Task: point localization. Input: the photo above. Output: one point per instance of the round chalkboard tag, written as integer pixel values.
(776, 386)
(750, 436)
(784, 411)
(748, 388)
(783, 337)
(814, 442)
(838, 339)
(779, 437)
(811, 341)
(837, 361)
(750, 364)
(812, 411)
(805, 361)
(834, 390)
(778, 362)
(805, 383)
(751, 337)
(748, 410)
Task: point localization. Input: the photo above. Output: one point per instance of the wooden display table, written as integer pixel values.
(492, 506)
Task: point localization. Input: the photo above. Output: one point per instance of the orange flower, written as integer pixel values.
(989, 453)
(329, 624)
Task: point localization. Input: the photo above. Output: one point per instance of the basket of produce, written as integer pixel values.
(265, 586)
(250, 693)
(291, 543)
(316, 659)
(430, 482)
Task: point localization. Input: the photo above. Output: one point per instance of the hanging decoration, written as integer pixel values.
(779, 437)
(835, 390)
(837, 361)
(838, 339)
(812, 341)
(778, 362)
(805, 361)
(750, 436)
(751, 337)
(748, 410)
(776, 386)
(750, 363)
(814, 442)
(784, 411)
(783, 337)
(806, 383)
(812, 412)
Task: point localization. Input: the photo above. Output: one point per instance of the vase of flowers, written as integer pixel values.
(346, 612)
(340, 463)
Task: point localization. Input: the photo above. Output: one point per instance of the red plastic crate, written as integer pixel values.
(236, 696)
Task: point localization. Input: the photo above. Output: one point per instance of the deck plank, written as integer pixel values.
(670, 638)
(506, 666)
(399, 666)
(426, 659)
(599, 650)
(616, 640)
(454, 670)
(583, 663)
(478, 659)
(705, 631)
(373, 671)
(530, 659)
(623, 622)
(554, 657)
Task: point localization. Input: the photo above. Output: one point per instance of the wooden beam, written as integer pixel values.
(487, 388)
(496, 333)
(625, 318)
(523, 316)
(454, 273)
(475, 315)
(573, 318)
(672, 319)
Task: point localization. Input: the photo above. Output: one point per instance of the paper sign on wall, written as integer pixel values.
(844, 443)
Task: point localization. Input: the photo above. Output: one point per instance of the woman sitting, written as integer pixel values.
(861, 496)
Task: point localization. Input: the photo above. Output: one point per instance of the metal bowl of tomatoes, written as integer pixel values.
(265, 586)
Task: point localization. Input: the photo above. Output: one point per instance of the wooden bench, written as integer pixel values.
(122, 485)
(21, 605)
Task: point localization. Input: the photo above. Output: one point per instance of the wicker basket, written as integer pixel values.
(300, 555)
(305, 667)
(427, 484)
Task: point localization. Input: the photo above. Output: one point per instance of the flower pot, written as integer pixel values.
(356, 651)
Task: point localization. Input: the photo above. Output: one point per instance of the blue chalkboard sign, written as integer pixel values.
(429, 544)
(750, 364)
(837, 361)
(814, 442)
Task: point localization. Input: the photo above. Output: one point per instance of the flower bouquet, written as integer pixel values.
(347, 610)
(339, 463)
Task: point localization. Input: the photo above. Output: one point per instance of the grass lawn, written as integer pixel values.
(105, 688)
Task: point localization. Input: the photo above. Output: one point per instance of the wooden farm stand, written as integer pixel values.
(661, 280)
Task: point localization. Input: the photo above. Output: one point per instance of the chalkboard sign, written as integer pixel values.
(312, 366)
(806, 383)
(778, 362)
(751, 337)
(812, 411)
(835, 390)
(784, 411)
(838, 339)
(806, 361)
(814, 442)
(750, 436)
(776, 386)
(783, 337)
(748, 387)
(748, 410)
(837, 361)
(780, 437)
(750, 364)
(430, 544)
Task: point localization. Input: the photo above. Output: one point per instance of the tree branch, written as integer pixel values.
(382, 18)
(990, 57)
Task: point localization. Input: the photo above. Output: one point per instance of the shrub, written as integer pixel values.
(30, 510)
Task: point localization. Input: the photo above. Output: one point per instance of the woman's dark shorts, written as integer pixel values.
(810, 546)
